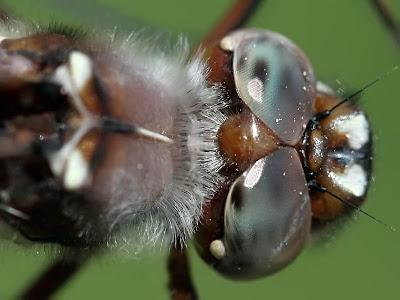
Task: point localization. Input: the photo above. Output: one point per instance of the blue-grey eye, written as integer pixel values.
(267, 218)
(275, 79)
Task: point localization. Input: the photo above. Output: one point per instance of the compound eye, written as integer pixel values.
(274, 79)
(266, 222)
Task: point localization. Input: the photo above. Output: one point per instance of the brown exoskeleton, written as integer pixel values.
(78, 111)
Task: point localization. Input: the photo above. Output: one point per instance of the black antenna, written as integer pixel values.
(326, 113)
(315, 185)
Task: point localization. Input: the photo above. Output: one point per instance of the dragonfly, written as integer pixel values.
(337, 70)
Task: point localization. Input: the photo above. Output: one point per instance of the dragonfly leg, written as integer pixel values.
(53, 278)
(388, 19)
(236, 17)
(180, 283)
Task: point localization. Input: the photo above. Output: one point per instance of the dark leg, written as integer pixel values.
(387, 17)
(180, 283)
(235, 18)
(53, 278)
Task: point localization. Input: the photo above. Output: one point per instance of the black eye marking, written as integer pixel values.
(237, 199)
(261, 70)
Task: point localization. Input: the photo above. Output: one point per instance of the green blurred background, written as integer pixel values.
(346, 42)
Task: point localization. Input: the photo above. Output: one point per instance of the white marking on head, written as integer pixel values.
(217, 249)
(3, 38)
(254, 174)
(227, 43)
(353, 180)
(324, 88)
(76, 171)
(255, 88)
(81, 69)
(356, 130)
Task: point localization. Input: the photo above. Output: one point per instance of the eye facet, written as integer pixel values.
(266, 222)
(274, 79)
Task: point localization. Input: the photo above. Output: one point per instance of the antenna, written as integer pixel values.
(313, 184)
(322, 115)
